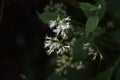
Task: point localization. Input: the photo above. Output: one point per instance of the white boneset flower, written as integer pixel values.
(63, 34)
(63, 49)
(57, 31)
(86, 45)
(67, 19)
(91, 51)
(52, 24)
(54, 45)
(94, 56)
(65, 26)
(60, 27)
(51, 44)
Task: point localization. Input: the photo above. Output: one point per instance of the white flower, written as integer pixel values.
(63, 49)
(60, 27)
(51, 44)
(54, 45)
(94, 55)
(57, 31)
(52, 24)
(63, 34)
(65, 26)
(67, 19)
(86, 45)
(91, 51)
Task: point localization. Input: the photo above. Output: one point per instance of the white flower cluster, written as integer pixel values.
(58, 8)
(54, 45)
(87, 46)
(59, 27)
(64, 62)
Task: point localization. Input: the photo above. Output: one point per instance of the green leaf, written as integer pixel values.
(91, 24)
(87, 7)
(47, 16)
(98, 31)
(78, 52)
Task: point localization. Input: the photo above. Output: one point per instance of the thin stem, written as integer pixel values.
(77, 22)
(113, 68)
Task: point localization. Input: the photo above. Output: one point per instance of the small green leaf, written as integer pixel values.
(47, 16)
(87, 7)
(91, 24)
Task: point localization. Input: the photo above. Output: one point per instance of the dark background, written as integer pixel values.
(21, 40)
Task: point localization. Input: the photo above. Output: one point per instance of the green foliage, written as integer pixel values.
(87, 7)
(78, 52)
(102, 10)
(98, 31)
(90, 10)
(91, 24)
(47, 16)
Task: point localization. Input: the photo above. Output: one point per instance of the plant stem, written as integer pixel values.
(77, 22)
(114, 67)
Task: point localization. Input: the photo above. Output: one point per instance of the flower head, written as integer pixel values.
(60, 27)
(52, 24)
(54, 45)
